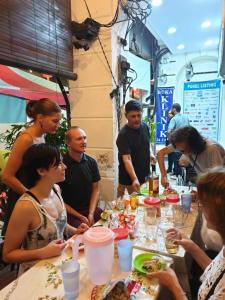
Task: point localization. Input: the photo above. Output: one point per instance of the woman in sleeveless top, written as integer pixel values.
(39, 219)
(45, 117)
(211, 197)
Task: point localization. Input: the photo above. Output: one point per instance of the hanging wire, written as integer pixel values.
(136, 10)
(112, 22)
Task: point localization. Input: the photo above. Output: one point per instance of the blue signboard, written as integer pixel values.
(164, 103)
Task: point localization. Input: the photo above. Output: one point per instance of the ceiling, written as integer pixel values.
(187, 16)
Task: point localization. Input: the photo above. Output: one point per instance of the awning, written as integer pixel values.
(15, 82)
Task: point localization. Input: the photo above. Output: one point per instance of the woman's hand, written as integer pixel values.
(169, 279)
(82, 228)
(54, 248)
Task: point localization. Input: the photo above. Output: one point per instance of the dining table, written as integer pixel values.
(182, 260)
(190, 228)
(43, 281)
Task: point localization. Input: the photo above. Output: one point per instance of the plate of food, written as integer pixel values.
(136, 286)
(149, 262)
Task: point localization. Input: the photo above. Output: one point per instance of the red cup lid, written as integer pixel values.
(121, 233)
(151, 201)
(172, 198)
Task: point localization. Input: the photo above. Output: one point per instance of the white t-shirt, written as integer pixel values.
(210, 275)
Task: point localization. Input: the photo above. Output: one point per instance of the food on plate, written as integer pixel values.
(149, 262)
(118, 292)
(153, 265)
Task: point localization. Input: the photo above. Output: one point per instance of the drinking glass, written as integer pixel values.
(151, 232)
(150, 215)
(186, 200)
(178, 215)
(171, 245)
(70, 275)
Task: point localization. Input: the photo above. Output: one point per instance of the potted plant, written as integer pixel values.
(152, 125)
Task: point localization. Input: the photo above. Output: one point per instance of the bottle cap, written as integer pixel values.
(172, 198)
(151, 201)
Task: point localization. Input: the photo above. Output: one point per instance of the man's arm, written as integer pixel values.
(130, 170)
(93, 201)
(160, 157)
(76, 214)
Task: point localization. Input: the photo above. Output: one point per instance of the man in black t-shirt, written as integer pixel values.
(80, 190)
(133, 150)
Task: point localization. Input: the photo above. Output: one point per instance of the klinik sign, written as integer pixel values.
(164, 103)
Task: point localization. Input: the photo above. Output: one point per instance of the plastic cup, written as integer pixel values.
(125, 249)
(70, 275)
(186, 200)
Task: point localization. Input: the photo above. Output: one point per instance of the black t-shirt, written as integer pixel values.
(77, 187)
(136, 143)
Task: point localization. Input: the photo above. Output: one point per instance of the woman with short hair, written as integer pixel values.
(39, 219)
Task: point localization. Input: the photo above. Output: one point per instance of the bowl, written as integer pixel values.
(143, 257)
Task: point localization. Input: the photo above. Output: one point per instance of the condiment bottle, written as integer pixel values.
(151, 201)
(133, 201)
(171, 199)
(154, 182)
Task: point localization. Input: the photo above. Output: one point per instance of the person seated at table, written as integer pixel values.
(39, 219)
(80, 190)
(211, 197)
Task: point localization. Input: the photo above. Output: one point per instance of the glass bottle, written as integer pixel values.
(154, 182)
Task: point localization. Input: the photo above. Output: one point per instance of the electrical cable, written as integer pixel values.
(112, 22)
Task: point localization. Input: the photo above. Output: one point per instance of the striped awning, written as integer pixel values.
(18, 83)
